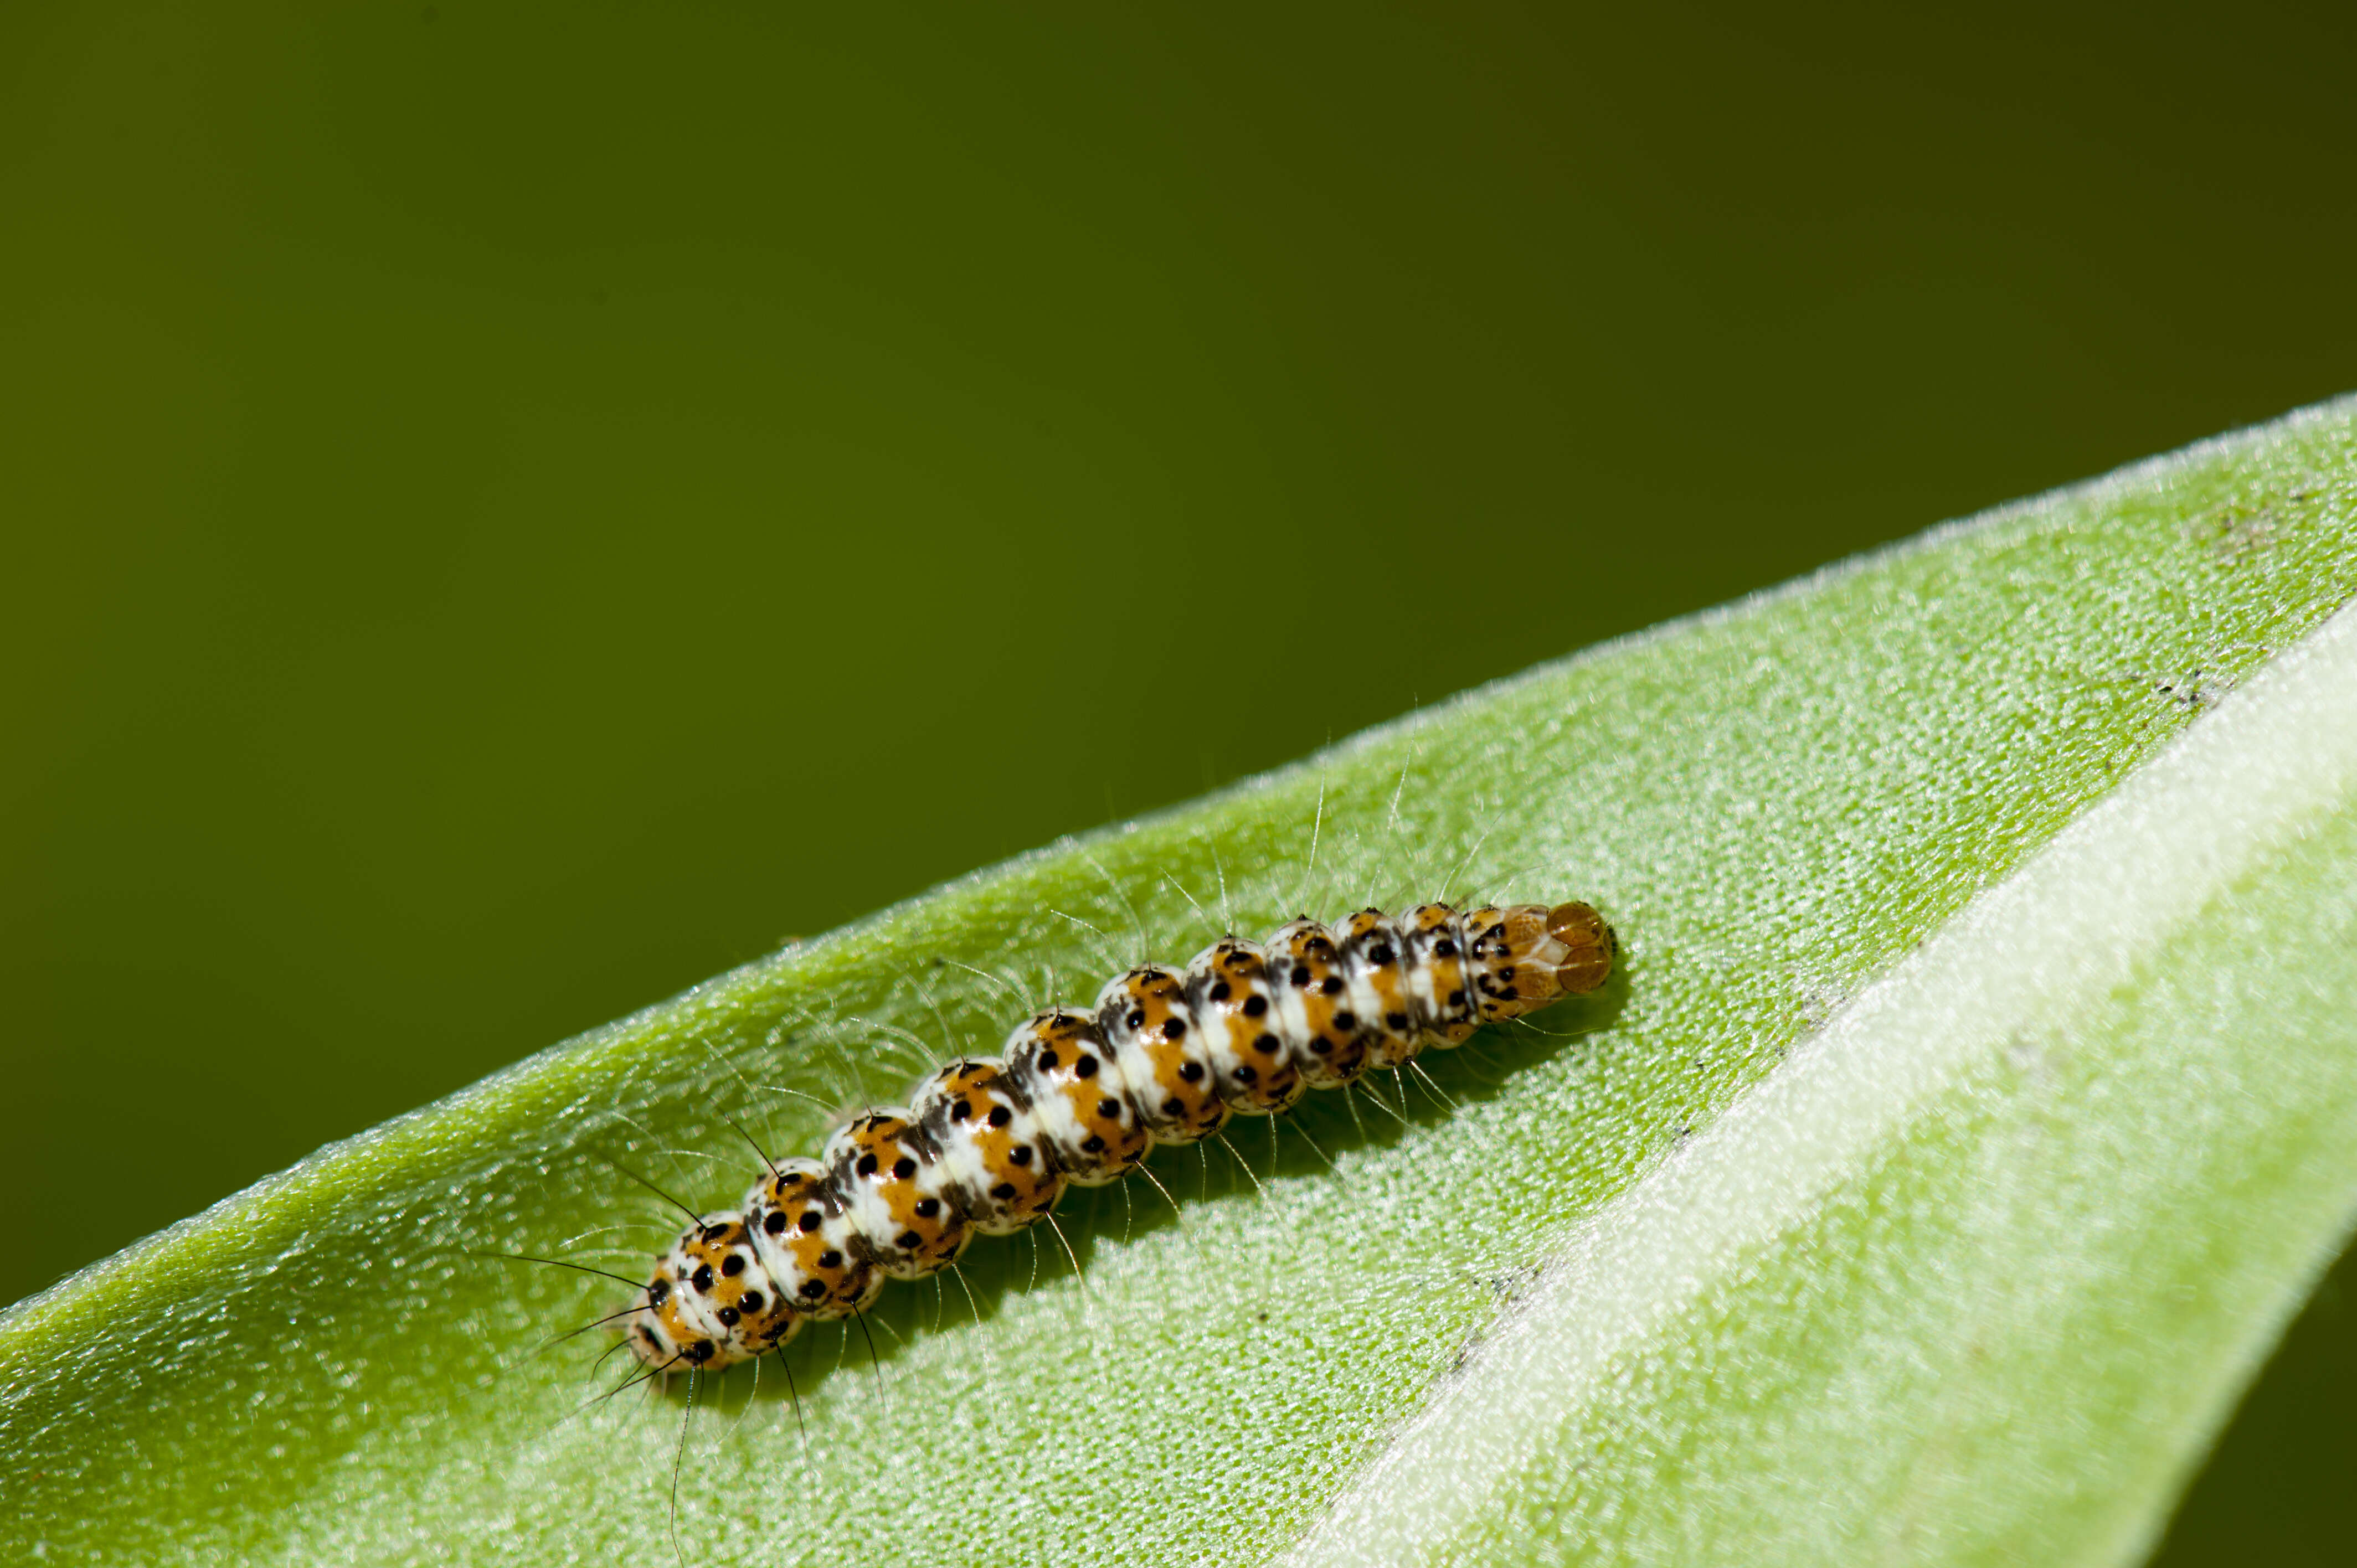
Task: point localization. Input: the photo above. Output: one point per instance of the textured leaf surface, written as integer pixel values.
(2001, 1311)
(2053, 1177)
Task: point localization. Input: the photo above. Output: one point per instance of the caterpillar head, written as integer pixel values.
(1590, 947)
(1526, 955)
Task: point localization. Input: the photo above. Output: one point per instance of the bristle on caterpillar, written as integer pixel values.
(987, 1147)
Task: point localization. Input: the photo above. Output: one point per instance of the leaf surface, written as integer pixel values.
(1792, 1237)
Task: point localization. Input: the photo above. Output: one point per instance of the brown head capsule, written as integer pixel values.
(1589, 948)
(1526, 956)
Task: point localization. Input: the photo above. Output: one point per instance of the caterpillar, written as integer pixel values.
(1078, 1098)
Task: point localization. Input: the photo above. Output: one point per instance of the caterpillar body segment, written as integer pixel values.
(1165, 1060)
(1081, 1098)
(1089, 1121)
(1439, 976)
(710, 1302)
(1375, 985)
(888, 1177)
(989, 1146)
(1328, 1040)
(1234, 1011)
(805, 1239)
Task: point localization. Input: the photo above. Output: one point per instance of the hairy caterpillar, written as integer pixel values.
(987, 1147)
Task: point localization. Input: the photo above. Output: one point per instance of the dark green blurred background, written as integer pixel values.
(507, 514)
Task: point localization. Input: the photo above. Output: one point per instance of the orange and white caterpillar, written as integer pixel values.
(987, 1147)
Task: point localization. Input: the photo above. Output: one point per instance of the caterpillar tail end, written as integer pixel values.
(1590, 947)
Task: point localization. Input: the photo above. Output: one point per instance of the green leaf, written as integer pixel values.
(1974, 1105)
